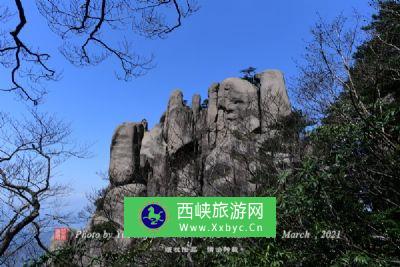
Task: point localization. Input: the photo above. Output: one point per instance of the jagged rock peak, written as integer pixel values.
(180, 154)
(124, 153)
(193, 151)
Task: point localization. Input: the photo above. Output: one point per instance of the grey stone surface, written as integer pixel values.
(196, 106)
(238, 100)
(197, 151)
(114, 201)
(193, 151)
(212, 113)
(153, 161)
(124, 153)
(274, 100)
(178, 125)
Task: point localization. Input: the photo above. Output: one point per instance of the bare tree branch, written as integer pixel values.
(86, 28)
(29, 152)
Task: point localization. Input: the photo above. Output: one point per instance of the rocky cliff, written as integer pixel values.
(206, 149)
(195, 150)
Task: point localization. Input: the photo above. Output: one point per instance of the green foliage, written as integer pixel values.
(204, 105)
(62, 257)
(99, 199)
(347, 181)
(248, 74)
(105, 227)
(379, 58)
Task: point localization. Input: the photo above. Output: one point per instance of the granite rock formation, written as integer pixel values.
(206, 149)
(196, 151)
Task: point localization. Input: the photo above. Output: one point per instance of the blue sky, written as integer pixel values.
(222, 38)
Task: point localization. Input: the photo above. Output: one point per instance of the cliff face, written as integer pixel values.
(209, 149)
(199, 150)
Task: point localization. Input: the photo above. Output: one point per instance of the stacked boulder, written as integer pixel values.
(195, 151)
(207, 149)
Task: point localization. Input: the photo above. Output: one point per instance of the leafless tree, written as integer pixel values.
(330, 57)
(30, 150)
(85, 28)
(328, 72)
